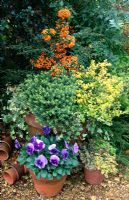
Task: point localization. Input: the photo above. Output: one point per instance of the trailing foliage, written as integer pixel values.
(99, 154)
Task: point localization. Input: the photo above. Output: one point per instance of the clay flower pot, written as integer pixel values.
(13, 174)
(34, 127)
(5, 148)
(25, 169)
(93, 177)
(48, 188)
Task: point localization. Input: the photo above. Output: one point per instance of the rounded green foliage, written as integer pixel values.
(51, 100)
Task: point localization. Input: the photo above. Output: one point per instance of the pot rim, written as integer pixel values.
(1, 141)
(47, 180)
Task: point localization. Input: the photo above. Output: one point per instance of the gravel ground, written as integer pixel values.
(75, 188)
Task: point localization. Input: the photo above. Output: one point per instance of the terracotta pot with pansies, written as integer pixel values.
(48, 188)
(93, 177)
(49, 161)
(5, 148)
(14, 173)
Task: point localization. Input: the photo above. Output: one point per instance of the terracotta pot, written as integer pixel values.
(34, 127)
(48, 188)
(5, 148)
(25, 170)
(13, 174)
(93, 177)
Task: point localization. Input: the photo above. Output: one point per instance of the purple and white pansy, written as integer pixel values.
(39, 145)
(52, 149)
(30, 148)
(54, 160)
(64, 154)
(75, 148)
(41, 161)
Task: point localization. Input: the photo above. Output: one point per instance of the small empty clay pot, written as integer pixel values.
(13, 173)
(93, 177)
(5, 148)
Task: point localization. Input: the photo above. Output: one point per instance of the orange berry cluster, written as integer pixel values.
(64, 13)
(59, 40)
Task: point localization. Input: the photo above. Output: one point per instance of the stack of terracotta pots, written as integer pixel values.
(15, 171)
(5, 148)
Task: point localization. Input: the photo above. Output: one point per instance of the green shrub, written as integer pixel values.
(99, 94)
(50, 99)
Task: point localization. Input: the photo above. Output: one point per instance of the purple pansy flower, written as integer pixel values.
(46, 130)
(41, 162)
(64, 154)
(75, 148)
(66, 145)
(30, 148)
(54, 160)
(39, 145)
(53, 150)
(33, 139)
(17, 144)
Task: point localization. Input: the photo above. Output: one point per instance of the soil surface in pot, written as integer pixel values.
(75, 187)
